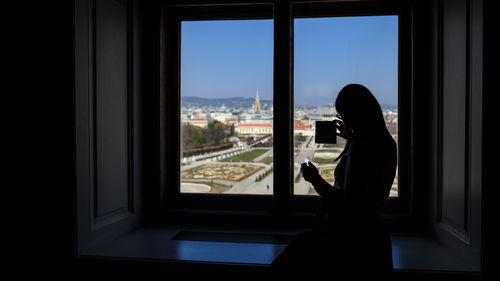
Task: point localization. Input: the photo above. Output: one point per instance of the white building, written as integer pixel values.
(222, 117)
(198, 122)
(254, 129)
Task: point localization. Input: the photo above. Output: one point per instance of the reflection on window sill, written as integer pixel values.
(259, 247)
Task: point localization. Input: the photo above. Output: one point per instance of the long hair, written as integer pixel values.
(362, 114)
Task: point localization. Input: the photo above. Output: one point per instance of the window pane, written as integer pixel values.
(329, 54)
(227, 106)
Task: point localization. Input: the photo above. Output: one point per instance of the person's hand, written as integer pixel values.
(343, 131)
(309, 171)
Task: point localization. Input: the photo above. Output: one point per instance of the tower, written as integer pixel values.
(256, 105)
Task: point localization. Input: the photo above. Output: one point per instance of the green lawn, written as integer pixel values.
(312, 191)
(322, 161)
(298, 177)
(268, 160)
(246, 156)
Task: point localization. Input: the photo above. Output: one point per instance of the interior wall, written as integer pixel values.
(56, 139)
(491, 149)
(457, 93)
(45, 127)
(112, 106)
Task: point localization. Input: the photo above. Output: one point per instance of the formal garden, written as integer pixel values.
(221, 171)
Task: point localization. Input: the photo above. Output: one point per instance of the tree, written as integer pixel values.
(195, 137)
(232, 131)
(214, 133)
(192, 136)
(219, 132)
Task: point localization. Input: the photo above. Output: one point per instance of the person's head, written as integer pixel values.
(361, 114)
(360, 111)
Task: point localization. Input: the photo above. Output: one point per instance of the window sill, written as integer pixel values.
(416, 252)
(159, 243)
(411, 252)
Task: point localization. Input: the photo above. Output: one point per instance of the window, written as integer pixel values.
(227, 107)
(217, 82)
(330, 53)
(241, 87)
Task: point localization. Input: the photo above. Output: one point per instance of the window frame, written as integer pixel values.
(170, 53)
(396, 206)
(283, 203)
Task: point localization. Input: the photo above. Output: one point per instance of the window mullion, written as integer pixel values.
(170, 109)
(283, 109)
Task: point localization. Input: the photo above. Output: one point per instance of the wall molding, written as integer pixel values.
(458, 84)
(112, 121)
(104, 209)
(452, 167)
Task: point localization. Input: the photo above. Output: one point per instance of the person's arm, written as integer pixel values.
(357, 177)
(325, 189)
(311, 174)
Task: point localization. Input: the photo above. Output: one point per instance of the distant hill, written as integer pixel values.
(237, 102)
(233, 102)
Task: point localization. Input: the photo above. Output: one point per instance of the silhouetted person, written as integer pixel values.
(352, 240)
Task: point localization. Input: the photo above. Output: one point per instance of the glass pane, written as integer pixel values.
(329, 54)
(227, 107)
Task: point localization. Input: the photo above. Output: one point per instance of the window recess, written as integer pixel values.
(196, 172)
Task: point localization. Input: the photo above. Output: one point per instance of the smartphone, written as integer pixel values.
(325, 132)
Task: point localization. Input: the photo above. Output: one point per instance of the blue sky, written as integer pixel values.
(235, 58)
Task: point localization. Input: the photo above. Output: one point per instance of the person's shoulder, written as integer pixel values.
(358, 147)
(360, 144)
(365, 147)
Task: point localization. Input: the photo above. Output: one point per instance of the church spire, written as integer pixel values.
(256, 106)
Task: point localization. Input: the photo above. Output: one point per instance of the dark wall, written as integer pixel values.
(54, 127)
(53, 121)
(491, 101)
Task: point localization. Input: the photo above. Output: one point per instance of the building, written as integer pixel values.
(222, 117)
(198, 122)
(254, 129)
(302, 129)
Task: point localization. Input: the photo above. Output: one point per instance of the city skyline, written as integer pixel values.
(231, 151)
(217, 102)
